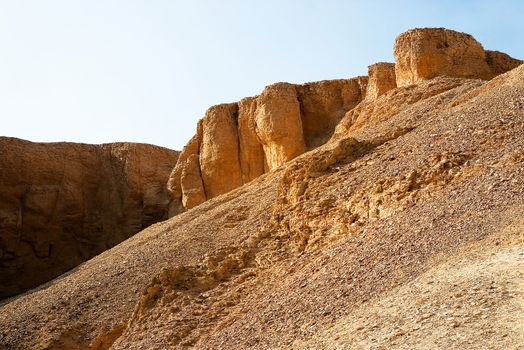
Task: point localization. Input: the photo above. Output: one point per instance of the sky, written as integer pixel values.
(98, 71)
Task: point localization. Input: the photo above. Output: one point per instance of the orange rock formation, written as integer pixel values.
(399, 226)
(235, 143)
(238, 142)
(427, 53)
(63, 203)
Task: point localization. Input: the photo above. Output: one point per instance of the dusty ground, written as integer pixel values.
(403, 234)
(475, 298)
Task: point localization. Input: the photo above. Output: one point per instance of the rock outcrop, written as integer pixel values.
(500, 62)
(219, 163)
(406, 233)
(63, 203)
(193, 192)
(324, 103)
(238, 142)
(278, 124)
(252, 157)
(422, 54)
(381, 79)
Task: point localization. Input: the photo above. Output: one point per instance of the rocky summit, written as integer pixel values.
(377, 212)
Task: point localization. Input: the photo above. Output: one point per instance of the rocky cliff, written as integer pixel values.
(237, 142)
(63, 203)
(399, 227)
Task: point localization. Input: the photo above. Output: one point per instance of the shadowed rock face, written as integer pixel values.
(324, 103)
(63, 203)
(500, 62)
(422, 54)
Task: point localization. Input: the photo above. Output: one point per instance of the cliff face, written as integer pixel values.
(381, 79)
(235, 143)
(342, 245)
(63, 203)
(400, 225)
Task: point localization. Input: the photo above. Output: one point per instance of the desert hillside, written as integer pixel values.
(379, 212)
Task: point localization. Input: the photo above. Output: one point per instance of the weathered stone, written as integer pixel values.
(427, 53)
(193, 192)
(381, 79)
(257, 135)
(237, 143)
(219, 161)
(279, 125)
(174, 182)
(63, 203)
(500, 62)
(323, 104)
(252, 160)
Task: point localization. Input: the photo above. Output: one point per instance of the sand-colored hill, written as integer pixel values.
(404, 230)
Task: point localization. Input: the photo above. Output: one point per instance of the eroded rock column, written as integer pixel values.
(193, 192)
(252, 159)
(381, 79)
(279, 125)
(219, 153)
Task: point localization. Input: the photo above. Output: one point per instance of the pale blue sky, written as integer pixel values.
(105, 70)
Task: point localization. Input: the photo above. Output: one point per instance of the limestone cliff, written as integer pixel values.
(381, 79)
(399, 227)
(63, 203)
(406, 232)
(237, 142)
